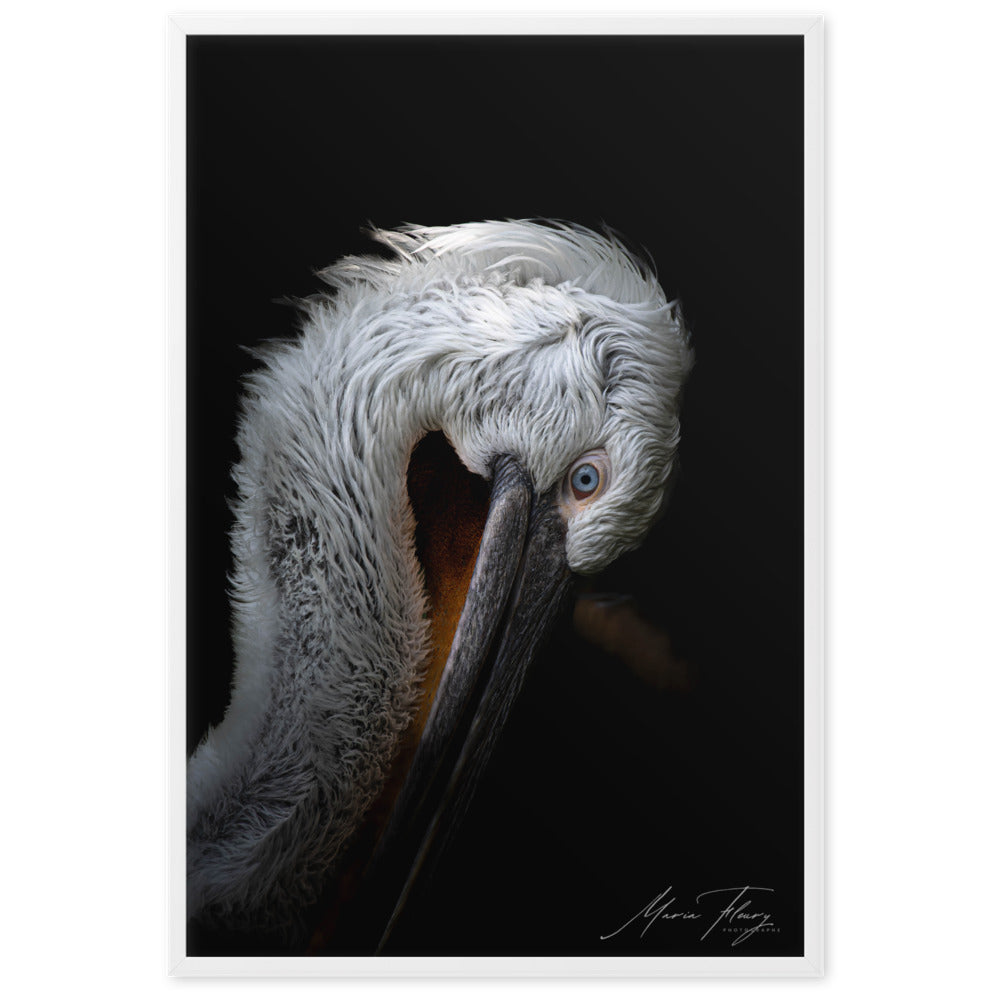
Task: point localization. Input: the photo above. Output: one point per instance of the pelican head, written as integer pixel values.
(375, 664)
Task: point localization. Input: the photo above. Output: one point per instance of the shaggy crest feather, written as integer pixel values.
(534, 339)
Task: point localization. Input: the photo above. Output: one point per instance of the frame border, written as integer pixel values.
(811, 963)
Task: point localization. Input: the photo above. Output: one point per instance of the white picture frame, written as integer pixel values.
(810, 963)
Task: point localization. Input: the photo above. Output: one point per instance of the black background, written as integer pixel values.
(603, 792)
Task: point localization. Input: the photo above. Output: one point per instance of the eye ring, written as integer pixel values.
(587, 477)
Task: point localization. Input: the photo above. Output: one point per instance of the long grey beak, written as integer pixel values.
(519, 583)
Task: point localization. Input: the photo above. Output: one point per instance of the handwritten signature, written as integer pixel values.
(737, 912)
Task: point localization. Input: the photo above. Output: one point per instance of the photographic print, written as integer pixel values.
(497, 519)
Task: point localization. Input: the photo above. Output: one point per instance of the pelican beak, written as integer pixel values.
(520, 581)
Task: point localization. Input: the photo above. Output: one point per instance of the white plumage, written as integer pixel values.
(536, 340)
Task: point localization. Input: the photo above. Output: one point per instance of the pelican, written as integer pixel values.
(461, 425)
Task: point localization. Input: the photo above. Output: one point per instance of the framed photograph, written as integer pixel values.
(496, 496)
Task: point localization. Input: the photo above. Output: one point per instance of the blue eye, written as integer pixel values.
(585, 480)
